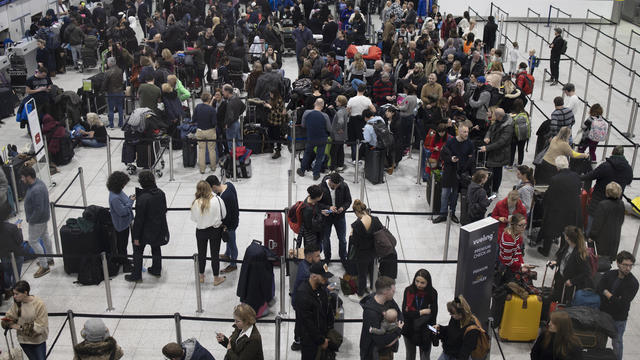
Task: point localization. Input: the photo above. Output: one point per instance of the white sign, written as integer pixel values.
(34, 125)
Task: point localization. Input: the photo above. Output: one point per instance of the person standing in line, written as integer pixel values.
(276, 118)
(318, 126)
(337, 199)
(245, 342)
(497, 146)
(556, 46)
(477, 200)
(362, 247)
(121, 210)
(229, 196)
(312, 308)
(28, 316)
(149, 226)
(113, 86)
(12, 239)
(98, 344)
(355, 106)
(558, 341)
(339, 131)
(208, 212)
(205, 117)
(607, 223)
(235, 107)
(489, 34)
(311, 256)
(458, 341)
(420, 309)
(37, 213)
(617, 289)
(571, 100)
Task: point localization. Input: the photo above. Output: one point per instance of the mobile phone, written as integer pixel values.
(434, 330)
(19, 222)
(329, 211)
(493, 197)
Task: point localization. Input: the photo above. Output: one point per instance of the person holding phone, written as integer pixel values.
(28, 316)
(457, 340)
(245, 341)
(121, 207)
(420, 310)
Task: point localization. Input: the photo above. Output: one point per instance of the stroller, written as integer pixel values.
(89, 53)
(145, 141)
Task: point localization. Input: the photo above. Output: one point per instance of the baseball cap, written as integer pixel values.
(320, 269)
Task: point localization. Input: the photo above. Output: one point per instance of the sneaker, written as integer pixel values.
(340, 169)
(50, 262)
(229, 269)
(131, 278)
(355, 298)
(219, 280)
(316, 177)
(455, 219)
(300, 172)
(550, 80)
(276, 155)
(296, 346)
(41, 272)
(440, 219)
(224, 257)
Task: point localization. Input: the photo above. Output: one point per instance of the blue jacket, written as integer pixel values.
(317, 125)
(121, 210)
(301, 276)
(368, 134)
(36, 203)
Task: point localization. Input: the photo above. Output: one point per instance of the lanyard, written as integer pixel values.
(419, 302)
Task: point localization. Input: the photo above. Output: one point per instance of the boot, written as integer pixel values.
(276, 154)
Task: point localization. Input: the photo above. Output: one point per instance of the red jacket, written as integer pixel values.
(502, 210)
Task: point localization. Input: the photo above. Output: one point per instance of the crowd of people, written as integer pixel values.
(437, 84)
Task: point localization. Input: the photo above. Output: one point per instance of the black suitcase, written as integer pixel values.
(598, 354)
(128, 153)
(8, 102)
(65, 154)
(374, 166)
(254, 138)
(243, 170)
(76, 243)
(437, 194)
(18, 164)
(189, 152)
(144, 154)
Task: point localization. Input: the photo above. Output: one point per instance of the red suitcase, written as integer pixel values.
(274, 233)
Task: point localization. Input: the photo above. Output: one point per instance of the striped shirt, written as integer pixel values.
(511, 251)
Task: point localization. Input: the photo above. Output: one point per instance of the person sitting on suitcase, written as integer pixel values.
(558, 341)
(456, 157)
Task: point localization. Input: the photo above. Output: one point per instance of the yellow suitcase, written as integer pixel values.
(520, 319)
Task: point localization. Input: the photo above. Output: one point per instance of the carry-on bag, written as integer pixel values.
(521, 318)
(189, 153)
(374, 166)
(14, 352)
(274, 233)
(77, 242)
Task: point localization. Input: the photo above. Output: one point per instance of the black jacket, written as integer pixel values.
(477, 202)
(150, 222)
(606, 227)
(372, 317)
(489, 34)
(615, 168)
(312, 223)
(561, 203)
(498, 150)
(540, 352)
(453, 170)
(618, 305)
(313, 313)
(256, 282)
(454, 341)
(342, 200)
(12, 239)
(362, 240)
(556, 50)
(429, 301)
(577, 270)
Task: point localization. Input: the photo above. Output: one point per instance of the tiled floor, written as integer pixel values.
(267, 189)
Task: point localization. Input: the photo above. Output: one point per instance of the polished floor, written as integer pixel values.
(267, 189)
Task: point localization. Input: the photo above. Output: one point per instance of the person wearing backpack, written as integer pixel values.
(524, 80)
(594, 130)
(311, 217)
(521, 131)
(463, 338)
(558, 47)
(557, 341)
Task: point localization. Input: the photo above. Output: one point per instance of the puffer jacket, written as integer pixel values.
(477, 202)
(98, 350)
(499, 134)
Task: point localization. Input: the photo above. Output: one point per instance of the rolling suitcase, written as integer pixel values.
(521, 318)
(75, 243)
(374, 166)
(274, 233)
(437, 192)
(189, 152)
(143, 154)
(18, 164)
(598, 354)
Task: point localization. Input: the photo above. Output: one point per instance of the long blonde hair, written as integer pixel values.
(203, 193)
(358, 62)
(459, 305)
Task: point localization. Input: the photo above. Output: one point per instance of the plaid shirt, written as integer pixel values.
(276, 116)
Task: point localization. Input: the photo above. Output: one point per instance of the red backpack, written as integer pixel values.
(527, 83)
(294, 216)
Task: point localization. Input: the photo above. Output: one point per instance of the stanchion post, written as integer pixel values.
(544, 80)
(578, 48)
(171, 158)
(283, 279)
(362, 186)
(293, 155)
(570, 70)
(82, 188)
(633, 58)
(586, 86)
(413, 129)
(581, 34)
(630, 38)
(633, 79)
(593, 61)
(595, 45)
(14, 183)
(72, 328)
(107, 280)
(176, 319)
(635, 154)
(634, 106)
(109, 154)
(196, 271)
(355, 177)
(14, 267)
(277, 334)
(54, 222)
(635, 246)
(445, 255)
(609, 100)
(606, 141)
(233, 160)
(526, 43)
(432, 195)
(420, 158)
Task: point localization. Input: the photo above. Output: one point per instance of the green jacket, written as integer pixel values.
(183, 93)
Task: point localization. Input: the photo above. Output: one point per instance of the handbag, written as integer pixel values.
(13, 352)
(586, 297)
(537, 160)
(225, 232)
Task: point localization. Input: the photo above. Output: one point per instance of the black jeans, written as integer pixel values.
(555, 67)
(211, 236)
(122, 240)
(309, 352)
(520, 145)
(365, 271)
(337, 155)
(497, 178)
(275, 134)
(156, 261)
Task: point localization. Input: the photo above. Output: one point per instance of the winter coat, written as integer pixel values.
(172, 107)
(482, 104)
(502, 210)
(339, 125)
(101, 350)
(540, 352)
(150, 223)
(615, 168)
(618, 305)
(313, 314)
(362, 239)
(498, 150)
(489, 34)
(607, 226)
(256, 282)
(576, 269)
(561, 203)
(477, 202)
(53, 132)
(246, 347)
(411, 312)
(451, 171)
(342, 197)
(455, 342)
(372, 317)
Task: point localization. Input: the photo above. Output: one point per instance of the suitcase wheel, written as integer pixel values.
(131, 169)
(162, 164)
(159, 173)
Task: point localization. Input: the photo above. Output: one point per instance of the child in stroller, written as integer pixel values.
(89, 53)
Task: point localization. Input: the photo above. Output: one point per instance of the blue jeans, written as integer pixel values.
(448, 199)
(444, 356)
(617, 342)
(233, 132)
(232, 248)
(35, 351)
(308, 153)
(92, 143)
(116, 100)
(341, 230)
(9, 280)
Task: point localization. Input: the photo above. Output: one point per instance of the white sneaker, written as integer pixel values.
(355, 298)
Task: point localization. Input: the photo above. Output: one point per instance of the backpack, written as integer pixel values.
(496, 96)
(527, 86)
(384, 242)
(563, 49)
(90, 271)
(294, 216)
(483, 345)
(302, 84)
(383, 134)
(522, 125)
(598, 130)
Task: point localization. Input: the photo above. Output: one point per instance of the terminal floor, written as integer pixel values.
(174, 292)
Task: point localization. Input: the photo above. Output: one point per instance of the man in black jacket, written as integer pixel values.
(336, 199)
(615, 168)
(312, 310)
(556, 50)
(617, 288)
(489, 34)
(373, 308)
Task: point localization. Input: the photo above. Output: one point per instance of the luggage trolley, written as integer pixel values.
(155, 151)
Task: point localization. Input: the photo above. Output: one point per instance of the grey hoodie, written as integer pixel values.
(339, 125)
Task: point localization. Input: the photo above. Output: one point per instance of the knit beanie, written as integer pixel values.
(94, 330)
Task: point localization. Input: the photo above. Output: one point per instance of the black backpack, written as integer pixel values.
(563, 49)
(383, 134)
(90, 271)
